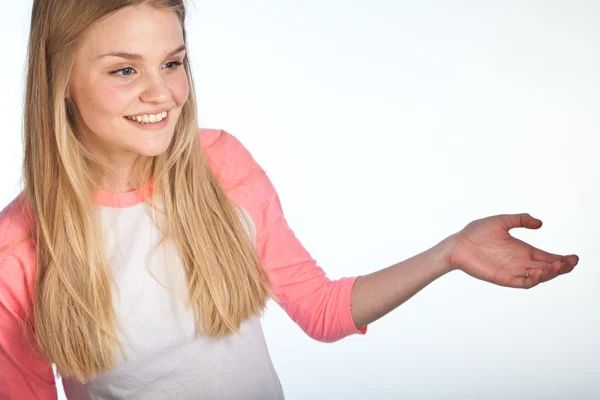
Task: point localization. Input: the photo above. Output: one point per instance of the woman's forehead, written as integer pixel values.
(138, 29)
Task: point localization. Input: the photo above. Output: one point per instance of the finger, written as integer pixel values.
(551, 272)
(541, 255)
(520, 221)
(527, 270)
(567, 266)
(557, 268)
(564, 267)
(547, 275)
(528, 275)
(533, 277)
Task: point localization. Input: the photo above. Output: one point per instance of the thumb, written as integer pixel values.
(521, 221)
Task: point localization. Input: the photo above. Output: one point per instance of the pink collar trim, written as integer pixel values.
(123, 200)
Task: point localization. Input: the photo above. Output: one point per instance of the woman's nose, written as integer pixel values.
(156, 90)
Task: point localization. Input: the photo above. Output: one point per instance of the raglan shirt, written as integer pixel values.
(164, 357)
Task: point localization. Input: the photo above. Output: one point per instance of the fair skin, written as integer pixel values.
(483, 249)
(129, 65)
(109, 88)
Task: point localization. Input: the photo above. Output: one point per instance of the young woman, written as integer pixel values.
(142, 251)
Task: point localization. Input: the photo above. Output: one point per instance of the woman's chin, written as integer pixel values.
(153, 147)
(154, 151)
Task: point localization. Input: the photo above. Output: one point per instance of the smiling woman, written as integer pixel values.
(143, 250)
(116, 149)
(140, 79)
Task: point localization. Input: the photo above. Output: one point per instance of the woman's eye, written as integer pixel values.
(173, 64)
(124, 71)
(129, 71)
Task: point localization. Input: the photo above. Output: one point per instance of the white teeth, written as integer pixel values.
(149, 118)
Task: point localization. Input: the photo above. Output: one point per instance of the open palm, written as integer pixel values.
(485, 250)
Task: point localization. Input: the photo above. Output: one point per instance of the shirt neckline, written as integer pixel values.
(124, 199)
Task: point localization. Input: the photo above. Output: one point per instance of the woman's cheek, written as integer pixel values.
(117, 100)
(180, 89)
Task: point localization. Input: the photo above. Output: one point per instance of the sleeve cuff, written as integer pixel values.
(347, 322)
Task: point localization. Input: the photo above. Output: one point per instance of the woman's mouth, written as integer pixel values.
(148, 118)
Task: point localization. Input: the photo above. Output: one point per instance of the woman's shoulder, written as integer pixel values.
(243, 179)
(217, 143)
(16, 231)
(227, 156)
(17, 256)
(209, 137)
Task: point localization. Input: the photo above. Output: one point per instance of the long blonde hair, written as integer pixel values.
(73, 316)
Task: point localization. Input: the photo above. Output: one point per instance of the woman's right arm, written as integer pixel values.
(24, 374)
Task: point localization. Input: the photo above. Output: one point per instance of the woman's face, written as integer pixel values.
(129, 84)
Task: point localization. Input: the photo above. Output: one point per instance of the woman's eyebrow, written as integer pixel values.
(133, 56)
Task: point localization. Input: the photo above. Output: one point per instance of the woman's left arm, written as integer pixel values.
(316, 303)
(484, 249)
(328, 310)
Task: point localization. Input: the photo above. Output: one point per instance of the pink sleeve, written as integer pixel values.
(319, 305)
(24, 375)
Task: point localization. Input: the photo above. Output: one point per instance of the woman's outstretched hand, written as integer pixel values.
(485, 250)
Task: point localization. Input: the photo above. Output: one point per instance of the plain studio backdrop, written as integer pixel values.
(387, 126)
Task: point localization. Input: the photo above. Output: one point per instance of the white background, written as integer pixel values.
(387, 126)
